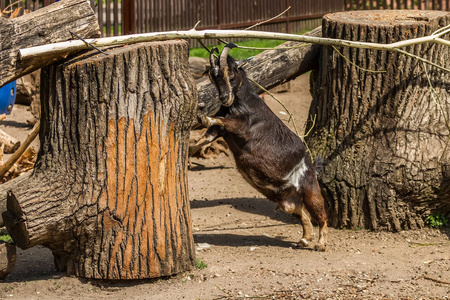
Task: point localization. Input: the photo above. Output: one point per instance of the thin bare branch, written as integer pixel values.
(74, 45)
(436, 97)
(291, 117)
(435, 279)
(268, 20)
(87, 43)
(352, 63)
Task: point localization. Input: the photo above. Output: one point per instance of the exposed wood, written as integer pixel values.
(11, 143)
(269, 69)
(35, 29)
(384, 136)
(108, 194)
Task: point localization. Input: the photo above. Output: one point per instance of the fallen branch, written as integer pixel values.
(76, 45)
(11, 161)
(418, 244)
(435, 279)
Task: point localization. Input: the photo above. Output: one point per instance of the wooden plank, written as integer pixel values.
(100, 15)
(116, 17)
(108, 18)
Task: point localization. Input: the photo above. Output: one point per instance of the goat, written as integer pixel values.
(271, 157)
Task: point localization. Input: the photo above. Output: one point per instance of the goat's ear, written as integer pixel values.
(242, 63)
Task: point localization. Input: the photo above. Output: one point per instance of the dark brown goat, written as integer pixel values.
(268, 154)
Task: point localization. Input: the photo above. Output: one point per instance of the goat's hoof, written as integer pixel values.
(303, 243)
(320, 248)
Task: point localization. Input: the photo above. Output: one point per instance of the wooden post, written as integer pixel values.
(383, 135)
(109, 192)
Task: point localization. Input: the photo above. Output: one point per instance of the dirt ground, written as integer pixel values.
(250, 250)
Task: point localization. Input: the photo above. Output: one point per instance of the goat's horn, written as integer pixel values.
(225, 51)
(212, 60)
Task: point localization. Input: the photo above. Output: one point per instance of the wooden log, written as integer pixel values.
(109, 191)
(11, 143)
(269, 69)
(384, 137)
(35, 29)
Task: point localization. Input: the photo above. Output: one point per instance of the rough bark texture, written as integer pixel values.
(109, 192)
(35, 29)
(269, 69)
(385, 139)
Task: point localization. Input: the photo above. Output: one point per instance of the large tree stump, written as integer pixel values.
(385, 138)
(109, 191)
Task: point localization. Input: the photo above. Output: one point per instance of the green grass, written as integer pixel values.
(112, 30)
(239, 54)
(436, 220)
(200, 264)
(6, 238)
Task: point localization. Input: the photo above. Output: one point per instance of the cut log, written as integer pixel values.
(34, 29)
(384, 137)
(109, 191)
(269, 69)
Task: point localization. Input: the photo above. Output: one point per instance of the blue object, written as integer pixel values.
(7, 97)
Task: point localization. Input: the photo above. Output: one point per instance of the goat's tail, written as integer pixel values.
(319, 164)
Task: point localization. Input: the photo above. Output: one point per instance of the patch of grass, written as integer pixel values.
(112, 30)
(437, 220)
(6, 238)
(240, 54)
(200, 264)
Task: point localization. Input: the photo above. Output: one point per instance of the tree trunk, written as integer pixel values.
(385, 138)
(269, 69)
(34, 29)
(109, 191)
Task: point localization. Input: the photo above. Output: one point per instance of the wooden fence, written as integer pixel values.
(118, 17)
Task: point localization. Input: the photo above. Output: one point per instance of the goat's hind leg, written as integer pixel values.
(307, 226)
(314, 203)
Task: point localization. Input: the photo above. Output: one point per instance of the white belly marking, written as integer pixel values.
(295, 176)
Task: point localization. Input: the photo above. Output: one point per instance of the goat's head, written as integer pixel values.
(225, 74)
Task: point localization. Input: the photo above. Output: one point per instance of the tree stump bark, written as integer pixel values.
(385, 138)
(109, 191)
